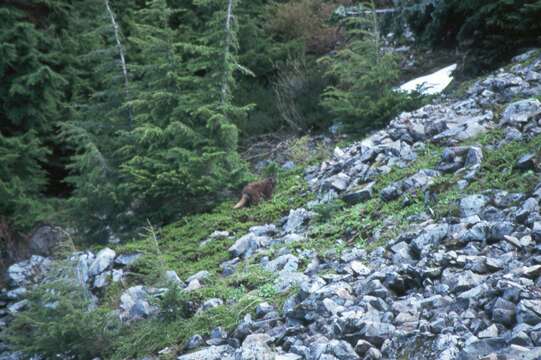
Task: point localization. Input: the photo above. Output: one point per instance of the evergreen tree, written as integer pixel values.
(488, 33)
(363, 97)
(182, 151)
(101, 114)
(32, 102)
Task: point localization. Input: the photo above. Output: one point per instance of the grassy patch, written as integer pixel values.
(243, 292)
(178, 247)
(498, 169)
(179, 244)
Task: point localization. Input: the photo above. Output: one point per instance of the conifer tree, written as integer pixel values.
(183, 149)
(32, 102)
(101, 114)
(363, 97)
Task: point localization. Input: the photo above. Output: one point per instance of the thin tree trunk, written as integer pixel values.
(227, 49)
(122, 59)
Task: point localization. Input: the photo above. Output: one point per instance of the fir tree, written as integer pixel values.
(182, 152)
(101, 114)
(363, 96)
(32, 102)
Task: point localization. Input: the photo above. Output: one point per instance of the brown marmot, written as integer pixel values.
(254, 191)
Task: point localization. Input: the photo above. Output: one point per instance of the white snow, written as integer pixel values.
(431, 84)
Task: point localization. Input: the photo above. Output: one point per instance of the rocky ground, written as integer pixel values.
(466, 285)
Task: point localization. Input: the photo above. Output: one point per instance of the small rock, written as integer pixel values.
(359, 195)
(529, 312)
(172, 278)
(194, 342)
(255, 347)
(296, 220)
(127, 259)
(211, 303)
(201, 276)
(490, 332)
(474, 157)
(503, 312)
(526, 162)
(193, 285)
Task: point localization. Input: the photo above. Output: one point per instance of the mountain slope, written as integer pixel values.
(420, 242)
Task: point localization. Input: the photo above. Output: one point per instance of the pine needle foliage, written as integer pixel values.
(180, 151)
(32, 102)
(487, 33)
(362, 96)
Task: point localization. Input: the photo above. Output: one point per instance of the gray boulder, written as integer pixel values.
(472, 205)
(296, 220)
(222, 352)
(521, 111)
(247, 244)
(127, 259)
(200, 276)
(255, 347)
(135, 304)
(29, 271)
(360, 194)
(104, 259)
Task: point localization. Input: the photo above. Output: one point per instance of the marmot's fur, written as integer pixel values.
(255, 191)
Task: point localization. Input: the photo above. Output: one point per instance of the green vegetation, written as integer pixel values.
(362, 94)
(32, 102)
(175, 247)
(121, 112)
(487, 32)
(179, 243)
(125, 119)
(61, 316)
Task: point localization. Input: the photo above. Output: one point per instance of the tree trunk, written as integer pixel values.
(227, 49)
(122, 59)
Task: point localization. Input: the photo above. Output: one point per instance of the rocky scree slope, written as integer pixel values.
(458, 278)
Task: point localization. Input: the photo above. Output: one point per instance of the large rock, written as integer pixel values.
(255, 347)
(45, 239)
(472, 205)
(222, 352)
(29, 271)
(82, 262)
(104, 259)
(135, 304)
(246, 245)
(521, 111)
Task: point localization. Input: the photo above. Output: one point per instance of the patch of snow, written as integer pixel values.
(433, 83)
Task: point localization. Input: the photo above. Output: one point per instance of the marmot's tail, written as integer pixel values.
(242, 202)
